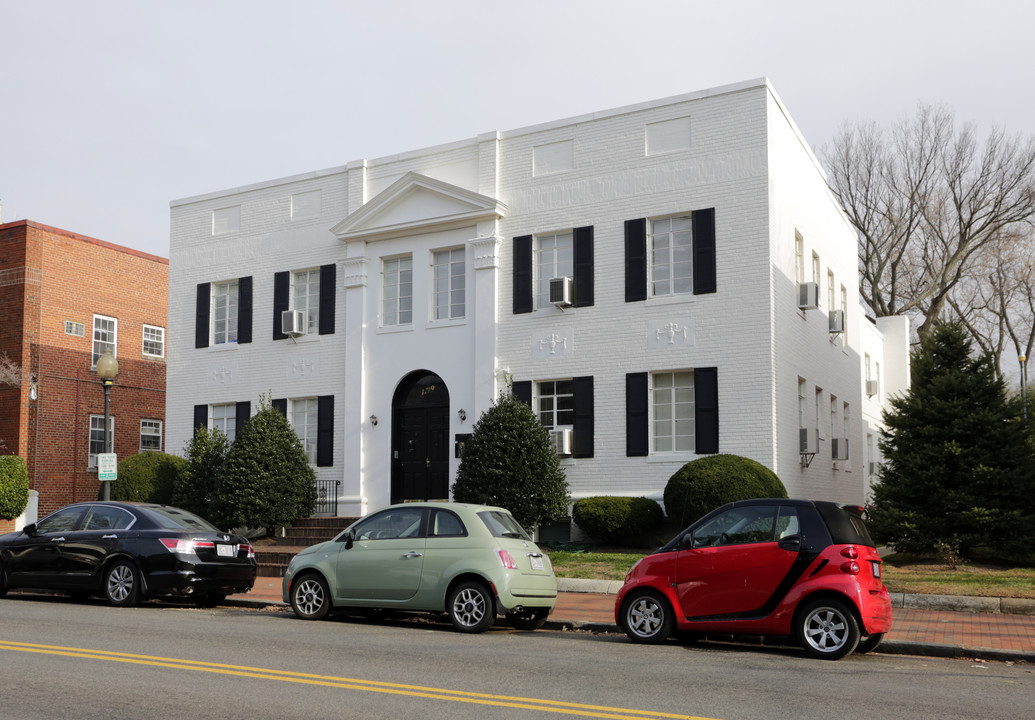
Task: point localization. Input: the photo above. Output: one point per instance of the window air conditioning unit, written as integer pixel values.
(560, 291)
(872, 388)
(839, 448)
(293, 323)
(808, 296)
(809, 438)
(837, 321)
(561, 439)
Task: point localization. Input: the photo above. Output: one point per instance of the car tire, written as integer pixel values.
(647, 617)
(471, 607)
(869, 643)
(122, 584)
(827, 629)
(310, 597)
(530, 619)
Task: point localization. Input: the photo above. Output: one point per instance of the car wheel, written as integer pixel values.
(311, 598)
(471, 607)
(122, 584)
(531, 619)
(869, 644)
(647, 617)
(827, 629)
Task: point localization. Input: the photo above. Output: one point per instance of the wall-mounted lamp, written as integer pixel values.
(373, 419)
(462, 413)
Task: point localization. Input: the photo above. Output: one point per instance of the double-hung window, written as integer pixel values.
(555, 257)
(150, 435)
(671, 255)
(673, 411)
(449, 278)
(304, 419)
(556, 402)
(98, 438)
(105, 336)
(224, 312)
(154, 341)
(397, 291)
(306, 297)
(224, 418)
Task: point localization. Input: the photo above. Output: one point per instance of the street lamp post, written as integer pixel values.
(107, 369)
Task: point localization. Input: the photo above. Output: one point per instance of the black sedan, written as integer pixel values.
(126, 552)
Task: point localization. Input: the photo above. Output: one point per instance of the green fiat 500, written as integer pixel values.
(472, 562)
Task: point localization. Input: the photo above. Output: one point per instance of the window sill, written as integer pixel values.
(672, 457)
(390, 329)
(677, 299)
(223, 347)
(452, 322)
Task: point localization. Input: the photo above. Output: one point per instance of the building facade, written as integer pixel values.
(660, 282)
(65, 299)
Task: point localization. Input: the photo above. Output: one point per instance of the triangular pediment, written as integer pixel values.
(417, 203)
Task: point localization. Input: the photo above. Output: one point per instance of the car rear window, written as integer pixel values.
(502, 524)
(845, 524)
(170, 518)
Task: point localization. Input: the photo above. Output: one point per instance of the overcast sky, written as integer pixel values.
(110, 109)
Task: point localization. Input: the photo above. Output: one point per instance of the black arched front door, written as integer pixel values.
(420, 438)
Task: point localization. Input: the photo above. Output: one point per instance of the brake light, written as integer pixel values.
(850, 552)
(852, 568)
(251, 552)
(507, 560)
(185, 547)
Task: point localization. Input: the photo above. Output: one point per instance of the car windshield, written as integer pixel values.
(503, 524)
(170, 518)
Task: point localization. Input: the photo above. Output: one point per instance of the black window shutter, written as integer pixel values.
(704, 251)
(244, 310)
(201, 315)
(583, 237)
(200, 416)
(636, 437)
(523, 274)
(325, 430)
(635, 260)
(281, 300)
(523, 391)
(280, 405)
(582, 389)
(706, 403)
(328, 288)
(244, 414)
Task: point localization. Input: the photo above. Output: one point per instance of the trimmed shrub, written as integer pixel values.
(509, 462)
(197, 488)
(147, 477)
(613, 518)
(702, 485)
(14, 486)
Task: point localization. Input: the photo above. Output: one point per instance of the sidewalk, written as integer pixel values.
(932, 625)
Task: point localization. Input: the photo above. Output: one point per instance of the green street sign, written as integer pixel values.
(107, 466)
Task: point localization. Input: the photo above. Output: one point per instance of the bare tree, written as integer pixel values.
(926, 199)
(10, 372)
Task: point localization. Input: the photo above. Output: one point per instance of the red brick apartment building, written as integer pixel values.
(64, 299)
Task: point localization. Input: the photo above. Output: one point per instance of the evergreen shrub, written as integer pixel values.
(14, 486)
(147, 477)
(613, 518)
(704, 484)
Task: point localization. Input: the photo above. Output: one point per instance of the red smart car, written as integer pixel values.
(778, 567)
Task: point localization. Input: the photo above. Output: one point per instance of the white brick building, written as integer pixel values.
(691, 228)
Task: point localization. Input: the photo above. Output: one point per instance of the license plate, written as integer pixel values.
(226, 550)
(876, 569)
(537, 562)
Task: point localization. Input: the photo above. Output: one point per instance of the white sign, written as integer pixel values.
(107, 466)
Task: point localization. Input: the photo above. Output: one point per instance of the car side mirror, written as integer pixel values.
(350, 539)
(687, 542)
(29, 529)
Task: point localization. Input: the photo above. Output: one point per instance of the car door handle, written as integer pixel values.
(411, 555)
(58, 539)
(108, 537)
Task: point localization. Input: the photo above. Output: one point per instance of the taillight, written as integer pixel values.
(850, 552)
(507, 560)
(185, 547)
(251, 552)
(852, 568)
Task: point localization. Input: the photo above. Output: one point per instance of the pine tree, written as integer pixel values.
(266, 480)
(509, 462)
(958, 474)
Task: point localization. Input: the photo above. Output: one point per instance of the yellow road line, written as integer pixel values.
(554, 706)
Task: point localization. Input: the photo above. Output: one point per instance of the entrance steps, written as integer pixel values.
(273, 559)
